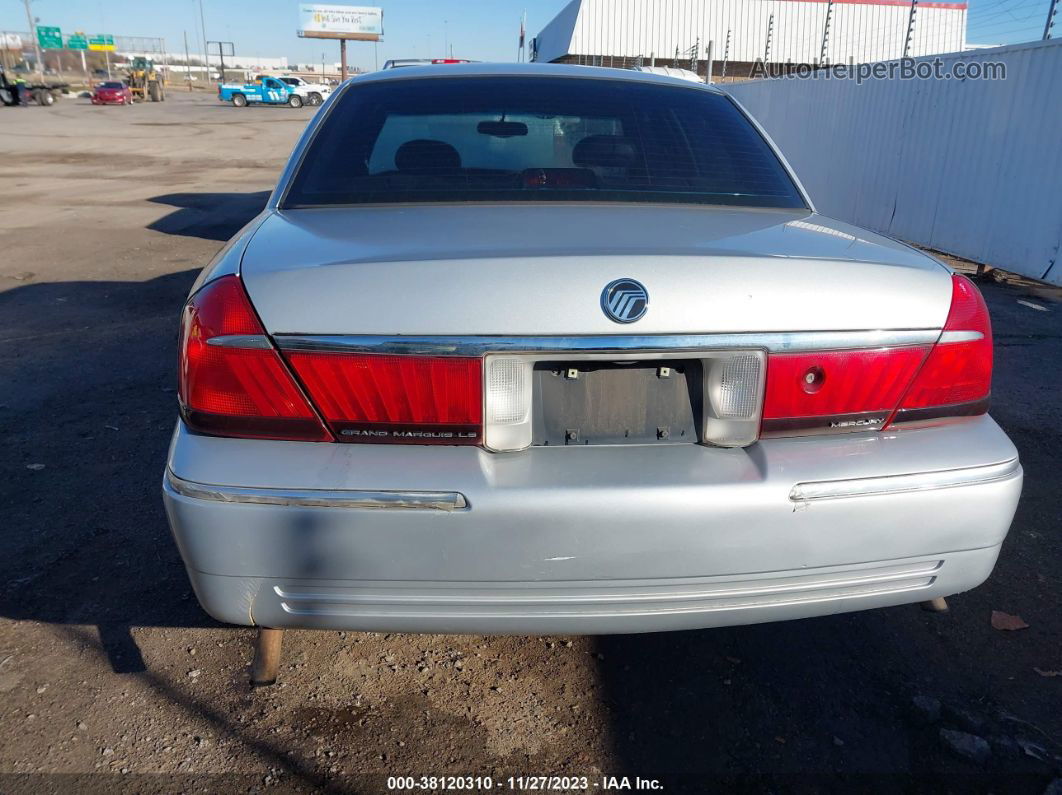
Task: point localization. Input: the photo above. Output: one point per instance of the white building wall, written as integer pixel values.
(870, 30)
(969, 167)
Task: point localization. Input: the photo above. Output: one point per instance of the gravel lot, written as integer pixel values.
(110, 672)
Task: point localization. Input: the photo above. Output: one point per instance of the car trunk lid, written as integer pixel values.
(536, 269)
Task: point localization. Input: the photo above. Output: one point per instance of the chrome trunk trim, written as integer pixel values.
(775, 342)
(319, 498)
(254, 341)
(897, 484)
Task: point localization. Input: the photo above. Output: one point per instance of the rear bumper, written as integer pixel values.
(587, 540)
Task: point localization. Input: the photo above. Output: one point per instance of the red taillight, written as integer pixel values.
(956, 379)
(836, 390)
(873, 389)
(232, 381)
(396, 399)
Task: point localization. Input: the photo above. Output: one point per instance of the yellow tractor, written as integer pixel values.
(145, 81)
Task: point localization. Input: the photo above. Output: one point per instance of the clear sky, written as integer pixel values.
(484, 30)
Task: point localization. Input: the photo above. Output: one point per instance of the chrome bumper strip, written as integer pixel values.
(898, 484)
(319, 498)
(776, 342)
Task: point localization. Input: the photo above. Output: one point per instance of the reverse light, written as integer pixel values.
(507, 399)
(732, 398)
(231, 381)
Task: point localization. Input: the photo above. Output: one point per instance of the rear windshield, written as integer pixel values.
(538, 139)
(111, 85)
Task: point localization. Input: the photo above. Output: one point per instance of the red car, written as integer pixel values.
(112, 93)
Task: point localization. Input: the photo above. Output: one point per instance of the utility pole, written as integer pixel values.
(33, 35)
(1051, 11)
(910, 28)
(708, 58)
(342, 60)
(206, 47)
(826, 32)
(187, 62)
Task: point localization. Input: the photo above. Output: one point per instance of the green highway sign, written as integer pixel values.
(49, 38)
(76, 41)
(101, 43)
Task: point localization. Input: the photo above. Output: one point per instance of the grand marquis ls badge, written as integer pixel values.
(624, 300)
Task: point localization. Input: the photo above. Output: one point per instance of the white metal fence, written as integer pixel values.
(969, 167)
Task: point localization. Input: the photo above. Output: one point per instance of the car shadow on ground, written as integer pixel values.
(89, 375)
(211, 216)
(88, 403)
(855, 701)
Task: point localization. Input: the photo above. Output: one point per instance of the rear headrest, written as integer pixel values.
(605, 151)
(424, 155)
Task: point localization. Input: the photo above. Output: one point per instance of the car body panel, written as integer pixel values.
(453, 269)
(621, 520)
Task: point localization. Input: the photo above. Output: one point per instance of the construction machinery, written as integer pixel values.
(145, 81)
(15, 90)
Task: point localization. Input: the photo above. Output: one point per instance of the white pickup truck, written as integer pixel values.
(312, 93)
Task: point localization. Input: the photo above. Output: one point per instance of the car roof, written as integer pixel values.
(529, 70)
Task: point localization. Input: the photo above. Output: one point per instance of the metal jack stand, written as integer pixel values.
(266, 657)
(938, 605)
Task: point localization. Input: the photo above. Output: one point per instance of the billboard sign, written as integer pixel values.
(101, 43)
(49, 38)
(325, 21)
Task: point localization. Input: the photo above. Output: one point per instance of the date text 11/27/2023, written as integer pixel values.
(524, 783)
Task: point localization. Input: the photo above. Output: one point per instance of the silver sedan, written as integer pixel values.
(554, 349)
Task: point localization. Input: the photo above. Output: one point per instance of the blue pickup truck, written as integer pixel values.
(268, 90)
